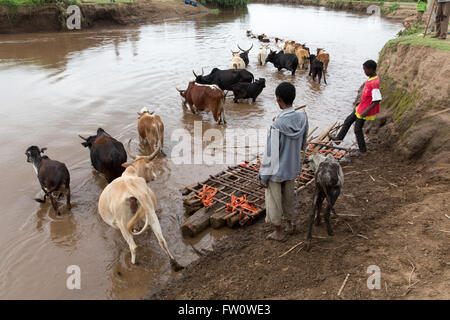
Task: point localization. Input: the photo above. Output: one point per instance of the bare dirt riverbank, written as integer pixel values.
(398, 225)
(394, 206)
(52, 17)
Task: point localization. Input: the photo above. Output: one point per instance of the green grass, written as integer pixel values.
(16, 3)
(418, 40)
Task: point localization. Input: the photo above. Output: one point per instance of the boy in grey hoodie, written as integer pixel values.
(281, 162)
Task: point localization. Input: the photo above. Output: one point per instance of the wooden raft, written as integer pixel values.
(242, 181)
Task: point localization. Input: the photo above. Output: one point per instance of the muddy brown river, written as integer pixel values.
(54, 86)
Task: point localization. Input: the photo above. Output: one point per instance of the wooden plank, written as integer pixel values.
(196, 223)
(216, 220)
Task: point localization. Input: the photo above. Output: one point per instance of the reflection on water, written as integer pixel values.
(54, 86)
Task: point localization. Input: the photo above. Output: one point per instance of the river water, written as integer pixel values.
(54, 86)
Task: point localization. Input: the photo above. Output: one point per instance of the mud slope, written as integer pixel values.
(392, 208)
(415, 119)
(52, 17)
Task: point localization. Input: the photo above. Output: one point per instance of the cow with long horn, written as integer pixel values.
(236, 61)
(244, 54)
(107, 154)
(128, 200)
(225, 79)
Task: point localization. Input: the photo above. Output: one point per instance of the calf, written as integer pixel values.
(329, 180)
(316, 69)
(283, 60)
(243, 90)
(53, 176)
(204, 97)
(151, 129)
(236, 61)
(244, 55)
(262, 54)
(128, 199)
(107, 154)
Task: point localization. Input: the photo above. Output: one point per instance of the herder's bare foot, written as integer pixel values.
(276, 235)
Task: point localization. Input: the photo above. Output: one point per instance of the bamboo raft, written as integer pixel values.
(235, 196)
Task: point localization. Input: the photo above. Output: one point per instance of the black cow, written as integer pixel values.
(107, 154)
(244, 54)
(53, 176)
(283, 60)
(225, 78)
(316, 68)
(263, 38)
(244, 90)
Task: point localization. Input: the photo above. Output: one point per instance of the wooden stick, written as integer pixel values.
(436, 113)
(301, 107)
(330, 146)
(311, 132)
(343, 284)
(429, 19)
(291, 249)
(323, 135)
(447, 216)
(295, 109)
(360, 235)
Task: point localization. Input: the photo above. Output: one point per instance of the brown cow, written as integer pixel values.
(204, 97)
(151, 129)
(289, 47)
(323, 57)
(303, 56)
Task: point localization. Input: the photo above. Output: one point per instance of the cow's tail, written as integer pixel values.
(48, 193)
(159, 144)
(142, 210)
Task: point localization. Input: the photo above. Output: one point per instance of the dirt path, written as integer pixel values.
(401, 227)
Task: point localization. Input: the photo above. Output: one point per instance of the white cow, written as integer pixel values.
(128, 199)
(236, 61)
(262, 54)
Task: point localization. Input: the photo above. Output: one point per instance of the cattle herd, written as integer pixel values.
(127, 199)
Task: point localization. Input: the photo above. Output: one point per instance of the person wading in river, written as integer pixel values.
(281, 162)
(366, 109)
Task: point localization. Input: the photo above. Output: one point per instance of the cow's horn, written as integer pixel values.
(240, 48)
(155, 153)
(85, 139)
(194, 73)
(133, 156)
(179, 90)
(202, 72)
(249, 49)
